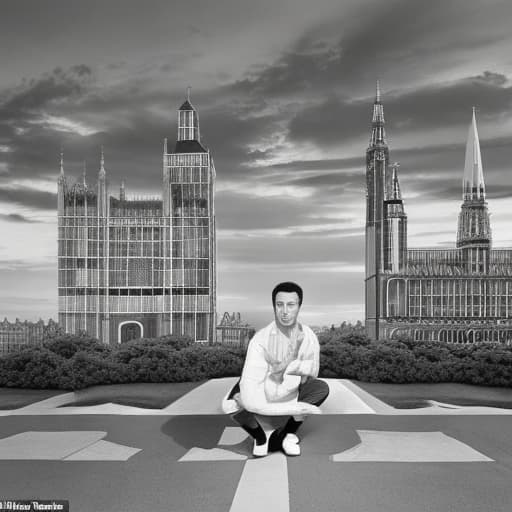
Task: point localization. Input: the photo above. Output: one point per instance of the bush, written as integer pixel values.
(38, 368)
(74, 362)
(68, 345)
(407, 361)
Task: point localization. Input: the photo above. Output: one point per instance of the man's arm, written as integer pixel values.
(252, 387)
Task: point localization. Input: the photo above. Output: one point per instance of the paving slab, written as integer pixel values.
(201, 454)
(47, 445)
(386, 446)
(263, 486)
(232, 436)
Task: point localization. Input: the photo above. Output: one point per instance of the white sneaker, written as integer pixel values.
(290, 445)
(260, 450)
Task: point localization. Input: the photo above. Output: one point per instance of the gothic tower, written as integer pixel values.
(188, 208)
(377, 182)
(474, 231)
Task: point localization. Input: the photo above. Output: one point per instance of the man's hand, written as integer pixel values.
(294, 366)
(305, 408)
(276, 367)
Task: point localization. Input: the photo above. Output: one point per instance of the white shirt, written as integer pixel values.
(265, 391)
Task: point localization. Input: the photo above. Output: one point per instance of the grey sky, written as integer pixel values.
(284, 90)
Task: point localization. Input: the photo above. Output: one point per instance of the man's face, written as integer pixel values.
(286, 308)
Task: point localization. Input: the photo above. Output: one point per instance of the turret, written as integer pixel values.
(188, 142)
(188, 121)
(395, 228)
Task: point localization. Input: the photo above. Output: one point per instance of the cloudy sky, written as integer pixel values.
(284, 90)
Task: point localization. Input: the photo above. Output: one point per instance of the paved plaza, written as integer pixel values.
(359, 455)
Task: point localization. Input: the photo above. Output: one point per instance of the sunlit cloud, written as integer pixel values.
(263, 190)
(62, 124)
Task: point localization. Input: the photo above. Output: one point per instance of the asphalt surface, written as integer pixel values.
(154, 479)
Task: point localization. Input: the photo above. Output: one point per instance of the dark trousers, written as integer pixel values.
(313, 391)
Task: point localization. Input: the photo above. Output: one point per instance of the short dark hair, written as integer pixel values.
(287, 287)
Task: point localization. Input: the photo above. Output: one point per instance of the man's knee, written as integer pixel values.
(314, 391)
(321, 390)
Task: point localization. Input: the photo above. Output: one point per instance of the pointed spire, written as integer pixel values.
(473, 187)
(61, 162)
(188, 93)
(84, 174)
(102, 172)
(396, 194)
(378, 135)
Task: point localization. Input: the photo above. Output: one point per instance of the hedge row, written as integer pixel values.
(404, 361)
(73, 363)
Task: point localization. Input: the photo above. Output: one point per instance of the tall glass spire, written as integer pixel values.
(473, 186)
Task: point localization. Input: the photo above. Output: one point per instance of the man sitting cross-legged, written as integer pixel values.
(279, 376)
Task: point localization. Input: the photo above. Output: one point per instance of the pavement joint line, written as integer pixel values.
(83, 447)
(105, 455)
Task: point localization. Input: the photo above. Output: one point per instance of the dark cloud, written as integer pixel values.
(349, 52)
(29, 197)
(15, 217)
(35, 95)
(130, 121)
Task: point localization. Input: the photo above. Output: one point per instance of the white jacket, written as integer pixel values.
(261, 394)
